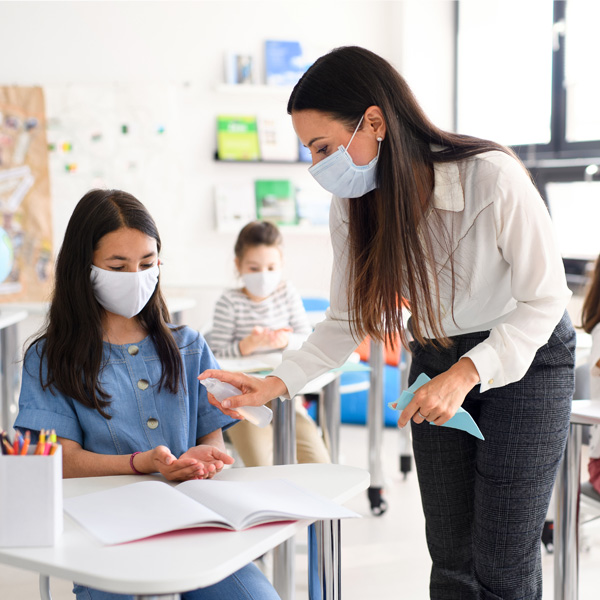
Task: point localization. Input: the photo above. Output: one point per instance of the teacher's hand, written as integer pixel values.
(255, 391)
(438, 400)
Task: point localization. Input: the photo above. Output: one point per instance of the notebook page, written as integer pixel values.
(136, 511)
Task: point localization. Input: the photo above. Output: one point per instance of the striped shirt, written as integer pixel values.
(236, 315)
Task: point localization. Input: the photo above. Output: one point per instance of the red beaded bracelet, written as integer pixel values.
(131, 464)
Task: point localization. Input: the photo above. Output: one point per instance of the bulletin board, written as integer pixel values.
(25, 207)
(110, 136)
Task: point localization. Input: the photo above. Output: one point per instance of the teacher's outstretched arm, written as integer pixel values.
(255, 391)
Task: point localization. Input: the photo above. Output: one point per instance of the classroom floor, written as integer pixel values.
(382, 557)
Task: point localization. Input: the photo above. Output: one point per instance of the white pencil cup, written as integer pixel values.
(31, 499)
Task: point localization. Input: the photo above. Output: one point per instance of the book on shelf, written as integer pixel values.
(277, 139)
(237, 138)
(146, 508)
(286, 61)
(276, 201)
(235, 206)
(239, 68)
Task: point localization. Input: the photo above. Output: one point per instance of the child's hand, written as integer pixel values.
(211, 458)
(280, 338)
(160, 459)
(259, 338)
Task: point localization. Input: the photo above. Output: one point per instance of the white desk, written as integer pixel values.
(182, 561)
(566, 530)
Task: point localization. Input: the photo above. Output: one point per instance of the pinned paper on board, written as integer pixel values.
(25, 231)
(461, 420)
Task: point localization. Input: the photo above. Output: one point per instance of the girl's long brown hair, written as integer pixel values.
(390, 239)
(590, 313)
(72, 340)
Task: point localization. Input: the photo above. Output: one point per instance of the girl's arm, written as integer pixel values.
(78, 462)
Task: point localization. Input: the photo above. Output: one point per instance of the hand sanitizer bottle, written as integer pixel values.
(257, 415)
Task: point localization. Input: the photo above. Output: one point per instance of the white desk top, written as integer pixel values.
(11, 317)
(179, 561)
(586, 412)
(263, 362)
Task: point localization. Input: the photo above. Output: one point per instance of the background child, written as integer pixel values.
(115, 380)
(590, 319)
(265, 315)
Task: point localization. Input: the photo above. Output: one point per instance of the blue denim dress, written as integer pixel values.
(142, 417)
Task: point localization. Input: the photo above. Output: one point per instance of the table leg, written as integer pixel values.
(332, 402)
(45, 588)
(9, 375)
(375, 427)
(566, 529)
(328, 549)
(284, 453)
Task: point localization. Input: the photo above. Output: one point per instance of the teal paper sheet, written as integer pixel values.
(461, 420)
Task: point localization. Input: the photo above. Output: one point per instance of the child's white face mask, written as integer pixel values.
(124, 294)
(261, 284)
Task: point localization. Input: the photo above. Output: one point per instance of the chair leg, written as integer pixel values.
(45, 587)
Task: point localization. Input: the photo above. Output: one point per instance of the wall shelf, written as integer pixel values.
(260, 162)
(254, 89)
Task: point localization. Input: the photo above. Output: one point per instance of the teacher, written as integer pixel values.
(454, 225)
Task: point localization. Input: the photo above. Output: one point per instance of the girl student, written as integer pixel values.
(590, 317)
(114, 379)
(264, 315)
(454, 225)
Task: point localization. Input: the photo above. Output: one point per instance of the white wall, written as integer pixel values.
(181, 45)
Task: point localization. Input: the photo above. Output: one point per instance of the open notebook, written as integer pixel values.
(139, 510)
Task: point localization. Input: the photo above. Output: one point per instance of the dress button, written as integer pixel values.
(142, 384)
(133, 350)
(491, 381)
(152, 423)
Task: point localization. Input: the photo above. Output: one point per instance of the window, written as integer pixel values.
(527, 77)
(499, 95)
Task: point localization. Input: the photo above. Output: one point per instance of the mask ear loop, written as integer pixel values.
(361, 120)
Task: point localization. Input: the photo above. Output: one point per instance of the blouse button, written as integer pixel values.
(143, 384)
(152, 423)
(491, 381)
(133, 350)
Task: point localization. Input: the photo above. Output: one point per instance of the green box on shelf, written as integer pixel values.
(276, 201)
(237, 138)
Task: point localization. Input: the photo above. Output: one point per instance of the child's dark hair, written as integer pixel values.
(257, 233)
(73, 333)
(590, 313)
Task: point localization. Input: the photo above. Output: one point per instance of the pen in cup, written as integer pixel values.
(26, 442)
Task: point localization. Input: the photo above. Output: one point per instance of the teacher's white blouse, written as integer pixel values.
(509, 273)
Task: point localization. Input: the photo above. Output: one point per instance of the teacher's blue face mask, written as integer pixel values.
(339, 175)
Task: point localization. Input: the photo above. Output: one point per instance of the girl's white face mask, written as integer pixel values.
(339, 175)
(261, 284)
(124, 294)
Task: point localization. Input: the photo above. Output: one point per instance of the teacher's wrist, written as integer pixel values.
(276, 387)
(468, 371)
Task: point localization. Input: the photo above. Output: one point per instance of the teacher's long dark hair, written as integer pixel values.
(388, 257)
(72, 340)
